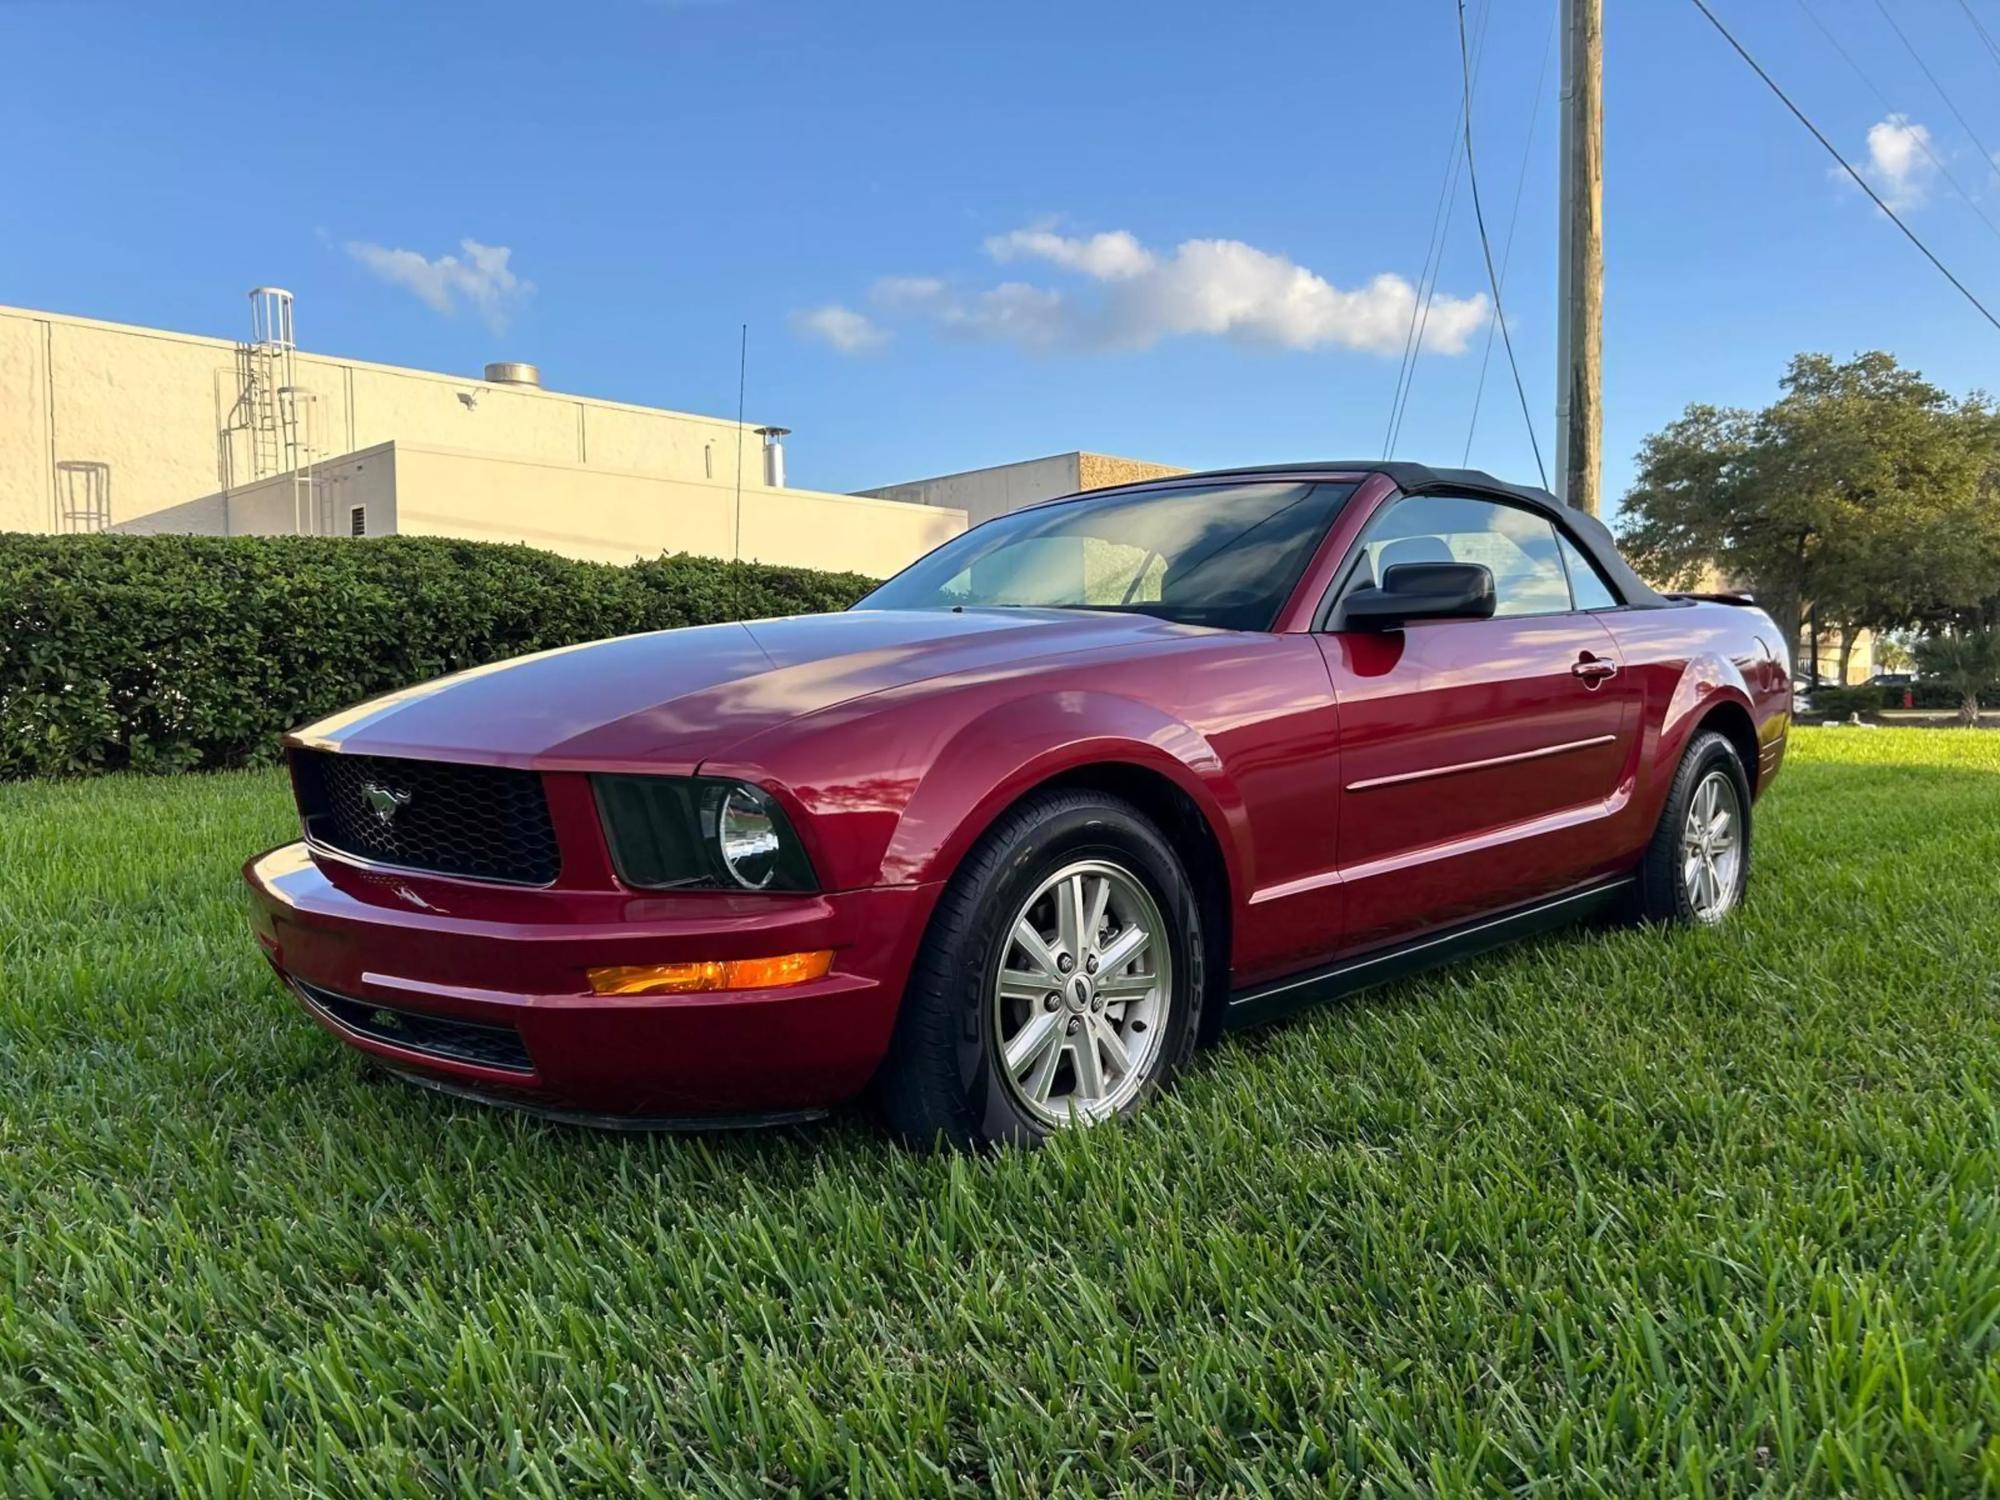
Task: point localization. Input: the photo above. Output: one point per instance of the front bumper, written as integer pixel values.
(482, 988)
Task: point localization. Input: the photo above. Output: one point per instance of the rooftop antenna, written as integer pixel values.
(742, 376)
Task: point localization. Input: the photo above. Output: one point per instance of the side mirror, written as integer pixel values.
(1422, 591)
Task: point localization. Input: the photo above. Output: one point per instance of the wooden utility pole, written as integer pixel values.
(1580, 315)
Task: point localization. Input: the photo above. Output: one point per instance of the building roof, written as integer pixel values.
(412, 372)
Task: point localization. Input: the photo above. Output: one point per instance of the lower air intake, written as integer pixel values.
(413, 1031)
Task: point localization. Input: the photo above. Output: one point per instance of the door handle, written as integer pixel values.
(1593, 669)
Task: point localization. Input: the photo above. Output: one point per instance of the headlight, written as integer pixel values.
(686, 832)
(747, 833)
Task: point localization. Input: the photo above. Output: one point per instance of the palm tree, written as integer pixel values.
(1966, 660)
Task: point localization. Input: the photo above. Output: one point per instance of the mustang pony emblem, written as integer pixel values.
(384, 801)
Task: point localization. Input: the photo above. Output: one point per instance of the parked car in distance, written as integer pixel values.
(1006, 842)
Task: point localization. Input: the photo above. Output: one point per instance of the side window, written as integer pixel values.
(1591, 591)
(1519, 547)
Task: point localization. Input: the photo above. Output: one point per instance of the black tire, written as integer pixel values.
(1663, 894)
(941, 1080)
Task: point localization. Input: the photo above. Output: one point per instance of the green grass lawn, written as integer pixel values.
(1618, 1212)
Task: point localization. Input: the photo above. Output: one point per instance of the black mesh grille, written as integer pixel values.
(483, 821)
(436, 1036)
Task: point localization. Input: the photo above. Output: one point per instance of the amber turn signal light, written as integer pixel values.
(711, 974)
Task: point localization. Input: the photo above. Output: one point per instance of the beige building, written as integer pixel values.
(109, 426)
(985, 493)
(1825, 653)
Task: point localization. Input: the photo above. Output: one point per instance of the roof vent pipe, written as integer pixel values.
(774, 455)
(513, 372)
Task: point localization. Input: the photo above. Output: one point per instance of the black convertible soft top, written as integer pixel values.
(1586, 531)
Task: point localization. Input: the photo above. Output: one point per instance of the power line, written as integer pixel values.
(1919, 135)
(1486, 248)
(1424, 322)
(1949, 102)
(1992, 47)
(1513, 222)
(1859, 181)
(1426, 284)
(1427, 279)
(1440, 214)
(1417, 296)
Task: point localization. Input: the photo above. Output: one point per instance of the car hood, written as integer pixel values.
(673, 698)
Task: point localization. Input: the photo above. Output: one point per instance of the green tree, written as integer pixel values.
(1893, 653)
(1967, 660)
(1863, 490)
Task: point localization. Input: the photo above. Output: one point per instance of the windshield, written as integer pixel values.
(1222, 555)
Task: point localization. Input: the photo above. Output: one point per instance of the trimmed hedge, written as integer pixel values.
(1863, 698)
(159, 653)
(1839, 702)
(1931, 693)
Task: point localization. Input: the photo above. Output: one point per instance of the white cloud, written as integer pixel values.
(1035, 317)
(1133, 297)
(845, 329)
(1228, 287)
(480, 277)
(903, 292)
(1899, 160)
(1112, 256)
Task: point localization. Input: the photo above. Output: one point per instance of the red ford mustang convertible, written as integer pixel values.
(1010, 839)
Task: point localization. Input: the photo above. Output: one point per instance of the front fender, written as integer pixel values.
(1004, 752)
(898, 793)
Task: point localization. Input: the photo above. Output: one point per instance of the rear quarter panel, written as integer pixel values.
(1695, 663)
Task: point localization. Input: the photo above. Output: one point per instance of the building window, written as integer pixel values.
(708, 460)
(357, 521)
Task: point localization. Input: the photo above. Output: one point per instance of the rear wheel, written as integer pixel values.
(1698, 863)
(1059, 984)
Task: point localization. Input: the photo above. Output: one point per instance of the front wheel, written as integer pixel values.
(1060, 982)
(1698, 864)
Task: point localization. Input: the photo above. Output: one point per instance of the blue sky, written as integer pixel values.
(1152, 229)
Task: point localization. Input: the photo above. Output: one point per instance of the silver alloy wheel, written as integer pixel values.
(1081, 995)
(1712, 847)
